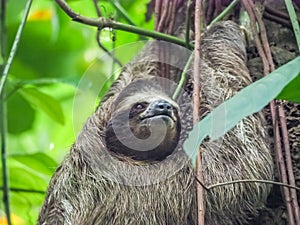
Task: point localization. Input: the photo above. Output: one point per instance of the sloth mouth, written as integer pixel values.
(163, 116)
(159, 120)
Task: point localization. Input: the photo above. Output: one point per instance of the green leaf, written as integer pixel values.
(21, 177)
(38, 162)
(44, 102)
(292, 91)
(18, 120)
(246, 102)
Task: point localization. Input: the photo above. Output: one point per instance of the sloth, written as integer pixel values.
(128, 166)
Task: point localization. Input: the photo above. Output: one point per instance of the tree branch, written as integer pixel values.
(251, 181)
(196, 107)
(105, 22)
(24, 190)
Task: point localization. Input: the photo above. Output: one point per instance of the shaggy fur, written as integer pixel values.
(242, 153)
(93, 186)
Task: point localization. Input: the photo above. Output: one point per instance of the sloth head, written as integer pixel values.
(145, 123)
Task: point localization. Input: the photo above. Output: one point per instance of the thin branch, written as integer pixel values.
(201, 183)
(288, 159)
(187, 23)
(3, 33)
(98, 11)
(224, 12)
(122, 11)
(196, 107)
(14, 46)
(105, 22)
(24, 190)
(5, 175)
(115, 60)
(256, 37)
(251, 181)
(277, 19)
(183, 77)
(283, 175)
(263, 37)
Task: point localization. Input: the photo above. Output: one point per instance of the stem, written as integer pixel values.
(294, 20)
(97, 8)
(287, 150)
(25, 190)
(5, 176)
(182, 78)
(115, 60)
(2, 34)
(282, 169)
(187, 23)
(105, 22)
(122, 11)
(3, 126)
(252, 181)
(196, 107)
(223, 13)
(14, 46)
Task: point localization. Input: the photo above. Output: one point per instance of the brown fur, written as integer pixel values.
(93, 186)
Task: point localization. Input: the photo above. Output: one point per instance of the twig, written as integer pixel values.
(105, 22)
(122, 11)
(276, 12)
(14, 46)
(182, 78)
(224, 12)
(282, 171)
(196, 100)
(106, 50)
(263, 37)
(115, 60)
(24, 190)
(187, 23)
(277, 19)
(200, 182)
(287, 151)
(97, 8)
(252, 181)
(5, 178)
(256, 37)
(3, 33)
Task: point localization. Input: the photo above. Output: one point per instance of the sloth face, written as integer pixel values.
(144, 126)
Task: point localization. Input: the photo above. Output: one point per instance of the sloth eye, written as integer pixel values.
(140, 105)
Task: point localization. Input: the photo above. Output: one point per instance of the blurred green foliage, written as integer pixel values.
(53, 55)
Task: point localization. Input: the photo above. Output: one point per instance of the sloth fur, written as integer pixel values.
(103, 181)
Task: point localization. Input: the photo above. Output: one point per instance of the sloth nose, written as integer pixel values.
(162, 107)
